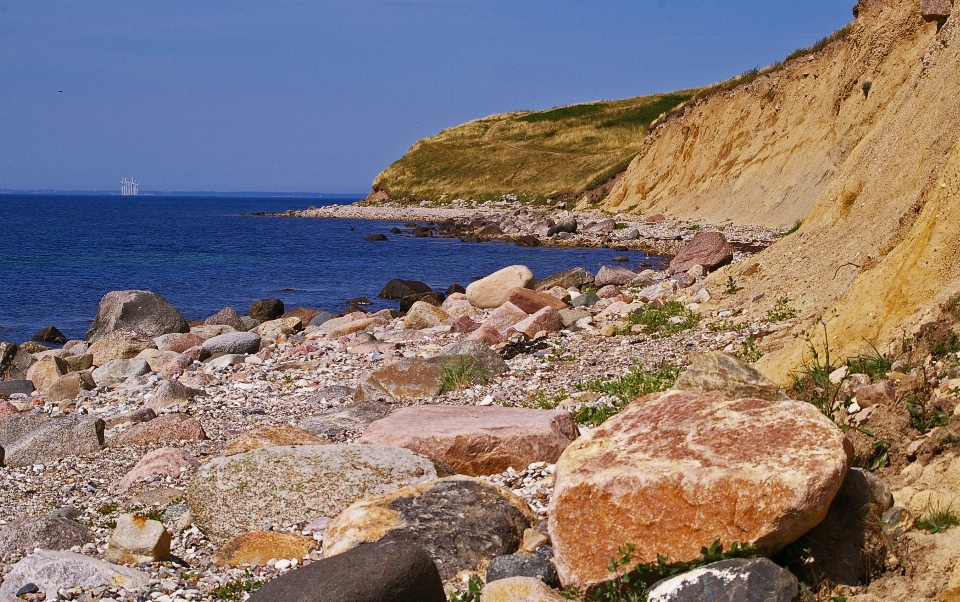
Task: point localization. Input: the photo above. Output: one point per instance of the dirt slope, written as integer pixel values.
(874, 177)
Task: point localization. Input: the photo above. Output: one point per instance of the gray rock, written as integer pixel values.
(740, 580)
(381, 572)
(237, 494)
(225, 361)
(567, 224)
(488, 522)
(52, 571)
(511, 565)
(331, 392)
(17, 365)
(70, 385)
(249, 323)
(47, 532)
(30, 439)
(320, 318)
(570, 316)
(165, 339)
(349, 418)
(136, 540)
(587, 299)
(480, 353)
(16, 387)
(144, 312)
(604, 226)
(169, 394)
(723, 373)
(116, 371)
(574, 278)
(847, 544)
(233, 342)
(613, 274)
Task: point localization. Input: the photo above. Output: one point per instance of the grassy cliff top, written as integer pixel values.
(559, 153)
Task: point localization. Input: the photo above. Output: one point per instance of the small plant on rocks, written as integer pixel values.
(235, 588)
(462, 374)
(474, 589)
(636, 383)
(924, 415)
(749, 351)
(873, 363)
(781, 310)
(812, 381)
(667, 320)
(936, 519)
(732, 288)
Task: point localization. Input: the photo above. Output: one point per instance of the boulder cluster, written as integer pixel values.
(389, 493)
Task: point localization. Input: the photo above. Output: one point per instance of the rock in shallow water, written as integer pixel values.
(676, 471)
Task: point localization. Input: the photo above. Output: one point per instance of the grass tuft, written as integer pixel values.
(781, 310)
(235, 588)
(937, 519)
(462, 374)
(636, 383)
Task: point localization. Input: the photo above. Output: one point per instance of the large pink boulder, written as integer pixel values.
(164, 429)
(709, 249)
(477, 440)
(678, 470)
(504, 317)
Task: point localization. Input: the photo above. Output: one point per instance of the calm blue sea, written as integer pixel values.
(60, 254)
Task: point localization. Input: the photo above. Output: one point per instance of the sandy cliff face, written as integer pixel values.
(875, 177)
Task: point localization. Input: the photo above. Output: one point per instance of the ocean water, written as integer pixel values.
(60, 254)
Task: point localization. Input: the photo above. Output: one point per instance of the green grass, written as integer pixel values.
(558, 153)
(542, 401)
(634, 585)
(638, 382)
(937, 519)
(462, 374)
(811, 382)
(658, 322)
(925, 416)
(945, 347)
(108, 508)
(781, 310)
(235, 588)
(821, 43)
(749, 351)
(873, 363)
(474, 589)
(796, 226)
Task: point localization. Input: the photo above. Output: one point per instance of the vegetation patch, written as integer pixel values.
(937, 519)
(462, 374)
(636, 383)
(534, 156)
(781, 310)
(666, 320)
(235, 588)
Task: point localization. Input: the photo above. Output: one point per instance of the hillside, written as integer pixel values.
(536, 155)
(860, 141)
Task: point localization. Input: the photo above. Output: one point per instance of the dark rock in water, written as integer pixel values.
(433, 298)
(574, 278)
(489, 230)
(470, 238)
(511, 565)
(31, 439)
(487, 520)
(740, 580)
(50, 334)
(13, 387)
(421, 232)
(398, 289)
(455, 288)
(377, 236)
(266, 309)
(395, 230)
(377, 572)
(360, 301)
(347, 418)
(621, 258)
(226, 317)
(144, 312)
(47, 532)
(527, 240)
(320, 318)
(849, 542)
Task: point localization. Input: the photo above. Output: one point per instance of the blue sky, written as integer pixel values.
(320, 96)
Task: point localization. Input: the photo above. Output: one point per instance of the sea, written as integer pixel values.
(59, 254)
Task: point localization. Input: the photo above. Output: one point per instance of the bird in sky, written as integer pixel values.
(60, 91)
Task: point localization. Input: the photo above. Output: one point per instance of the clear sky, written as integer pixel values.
(322, 95)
